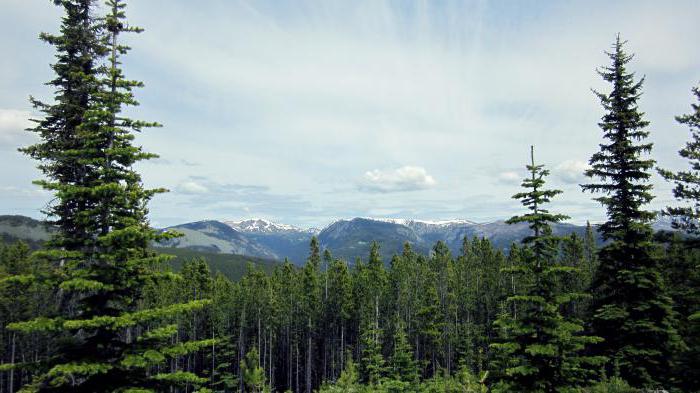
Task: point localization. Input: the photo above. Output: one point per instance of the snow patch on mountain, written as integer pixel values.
(413, 222)
(261, 225)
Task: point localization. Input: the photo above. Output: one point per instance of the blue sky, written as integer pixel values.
(304, 112)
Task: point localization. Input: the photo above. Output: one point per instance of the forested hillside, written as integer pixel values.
(92, 306)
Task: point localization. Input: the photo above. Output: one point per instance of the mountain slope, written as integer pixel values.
(352, 238)
(216, 237)
(348, 239)
(281, 240)
(233, 266)
(29, 230)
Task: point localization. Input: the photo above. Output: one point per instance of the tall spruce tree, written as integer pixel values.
(313, 296)
(631, 309)
(102, 245)
(687, 183)
(683, 266)
(77, 85)
(540, 351)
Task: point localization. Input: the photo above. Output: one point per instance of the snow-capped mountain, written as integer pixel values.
(260, 225)
(414, 223)
(282, 240)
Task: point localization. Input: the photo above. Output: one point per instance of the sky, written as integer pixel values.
(304, 112)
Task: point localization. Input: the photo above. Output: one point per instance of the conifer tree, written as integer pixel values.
(372, 365)
(402, 365)
(77, 84)
(252, 374)
(312, 292)
(540, 351)
(103, 241)
(590, 250)
(683, 265)
(340, 307)
(687, 182)
(632, 311)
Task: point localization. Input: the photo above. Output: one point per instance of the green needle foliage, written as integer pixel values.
(252, 374)
(683, 265)
(403, 367)
(632, 311)
(373, 366)
(540, 351)
(77, 84)
(687, 182)
(102, 247)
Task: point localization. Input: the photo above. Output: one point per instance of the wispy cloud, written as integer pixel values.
(13, 123)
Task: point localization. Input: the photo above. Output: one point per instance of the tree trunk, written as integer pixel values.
(12, 361)
(308, 358)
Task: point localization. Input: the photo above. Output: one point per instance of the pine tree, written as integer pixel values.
(103, 241)
(540, 351)
(631, 309)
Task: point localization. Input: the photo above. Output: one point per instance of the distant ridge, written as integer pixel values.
(345, 238)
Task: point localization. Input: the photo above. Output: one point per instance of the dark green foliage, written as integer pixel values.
(251, 372)
(101, 247)
(682, 262)
(77, 85)
(372, 364)
(24, 294)
(687, 183)
(573, 254)
(590, 251)
(682, 269)
(541, 349)
(232, 266)
(402, 365)
(632, 311)
(223, 378)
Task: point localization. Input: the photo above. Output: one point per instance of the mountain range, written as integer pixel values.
(347, 238)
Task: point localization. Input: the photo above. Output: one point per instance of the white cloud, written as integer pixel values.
(571, 171)
(24, 192)
(13, 122)
(191, 187)
(407, 178)
(509, 177)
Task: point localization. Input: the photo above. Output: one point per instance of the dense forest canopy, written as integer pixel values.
(97, 309)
